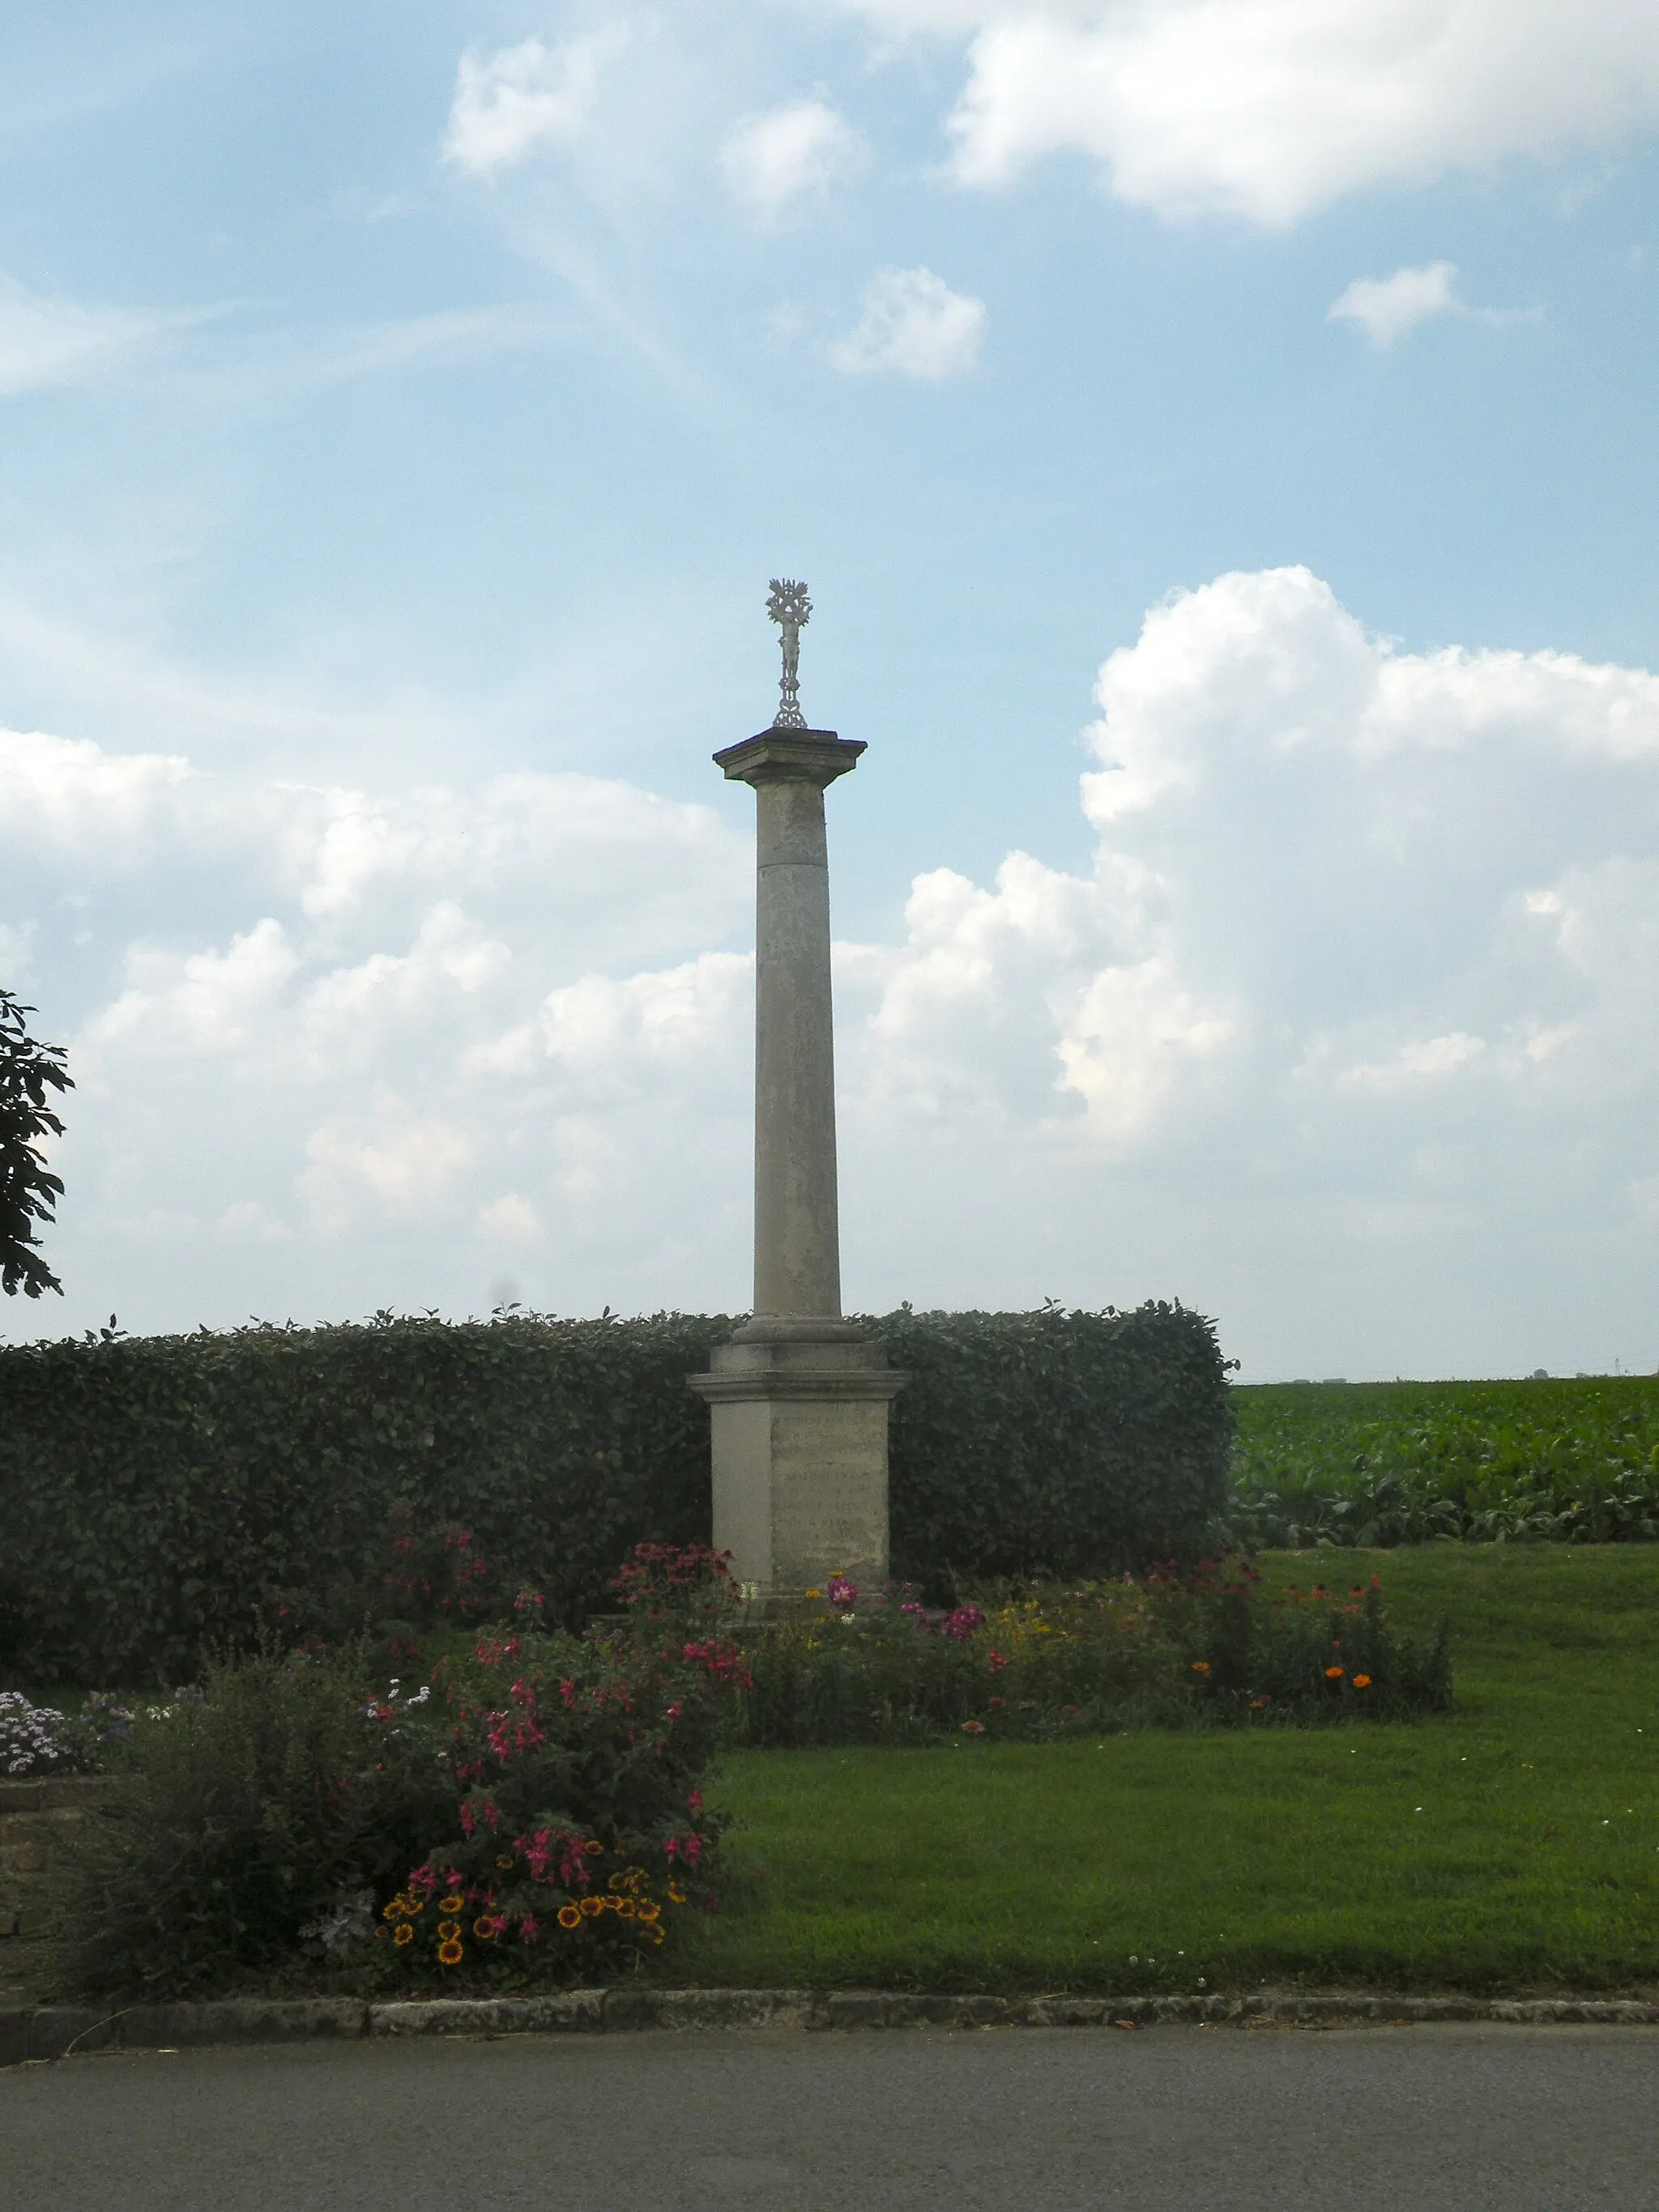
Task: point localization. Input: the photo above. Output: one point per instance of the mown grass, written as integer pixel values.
(1513, 1844)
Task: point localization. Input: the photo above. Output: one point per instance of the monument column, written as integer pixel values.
(798, 1399)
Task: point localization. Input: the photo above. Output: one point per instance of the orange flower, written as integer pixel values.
(1257, 1703)
(594, 1848)
(450, 1904)
(592, 1907)
(450, 1953)
(1333, 1673)
(404, 1935)
(570, 1916)
(1200, 1666)
(1362, 1681)
(449, 1930)
(650, 1911)
(485, 1929)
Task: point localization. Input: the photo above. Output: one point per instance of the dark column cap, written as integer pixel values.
(791, 756)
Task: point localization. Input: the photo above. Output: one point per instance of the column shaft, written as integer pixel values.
(796, 1238)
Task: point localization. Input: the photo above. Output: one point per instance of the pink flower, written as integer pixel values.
(840, 1591)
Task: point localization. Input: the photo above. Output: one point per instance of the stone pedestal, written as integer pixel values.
(797, 1399)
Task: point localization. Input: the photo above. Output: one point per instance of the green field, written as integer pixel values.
(1512, 1845)
(1402, 1463)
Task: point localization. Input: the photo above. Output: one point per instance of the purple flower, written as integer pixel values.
(963, 1621)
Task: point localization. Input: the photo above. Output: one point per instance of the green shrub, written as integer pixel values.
(237, 1816)
(1170, 1650)
(162, 1497)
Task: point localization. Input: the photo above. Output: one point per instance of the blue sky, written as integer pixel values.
(401, 413)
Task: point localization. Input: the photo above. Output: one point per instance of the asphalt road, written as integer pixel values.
(1033, 2120)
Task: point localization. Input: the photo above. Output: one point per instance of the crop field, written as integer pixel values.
(1384, 1463)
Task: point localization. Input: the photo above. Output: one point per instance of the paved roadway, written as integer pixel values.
(1420, 2119)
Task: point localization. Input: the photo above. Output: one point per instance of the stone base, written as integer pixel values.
(800, 1459)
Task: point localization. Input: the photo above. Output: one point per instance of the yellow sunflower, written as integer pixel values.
(592, 1907)
(449, 1931)
(485, 1929)
(450, 1953)
(650, 1911)
(452, 1905)
(404, 1934)
(570, 1916)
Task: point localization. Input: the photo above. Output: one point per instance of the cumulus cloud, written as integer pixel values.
(1363, 977)
(912, 323)
(770, 161)
(509, 103)
(1346, 1034)
(1386, 308)
(1273, 108)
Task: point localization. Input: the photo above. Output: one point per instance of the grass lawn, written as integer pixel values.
(1511, 1846)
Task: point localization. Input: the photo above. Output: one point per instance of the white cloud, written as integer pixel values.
(512, 1220)
(914, 324)
(393, 1163)
(1273, 108)
(1346, 1034)
(508, 103)
(47, 342)
(804, 146)
(1386, 308)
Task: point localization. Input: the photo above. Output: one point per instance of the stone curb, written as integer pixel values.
(50, 2031)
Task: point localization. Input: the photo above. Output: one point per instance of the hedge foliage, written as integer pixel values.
(155, 1492)
(1056, 1443)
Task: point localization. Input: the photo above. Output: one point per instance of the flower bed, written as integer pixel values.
(1044, 1659)
(534, 1812)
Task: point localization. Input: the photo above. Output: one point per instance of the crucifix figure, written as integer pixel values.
(790, 608)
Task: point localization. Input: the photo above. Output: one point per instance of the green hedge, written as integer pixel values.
(154, 1491)
(1054, 1442)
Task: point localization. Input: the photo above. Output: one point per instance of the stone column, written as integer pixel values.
(799, 1399)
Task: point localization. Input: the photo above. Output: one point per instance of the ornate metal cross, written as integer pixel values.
(790, 608)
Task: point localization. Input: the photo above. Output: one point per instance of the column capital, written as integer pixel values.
(790, 756)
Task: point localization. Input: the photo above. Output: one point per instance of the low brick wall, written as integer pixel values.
(36, 1818)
